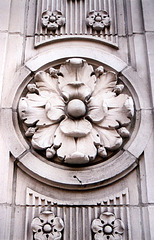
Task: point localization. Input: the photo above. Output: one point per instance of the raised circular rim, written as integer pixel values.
(85, 177)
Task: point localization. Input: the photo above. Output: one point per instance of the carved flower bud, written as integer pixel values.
(102, 151)
(50, 152)
(124, 132)
(53, 72)
(30, 131)
(118, 88)
(32, 88)
(99, 71)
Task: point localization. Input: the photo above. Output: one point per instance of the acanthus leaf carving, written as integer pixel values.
(75, 113)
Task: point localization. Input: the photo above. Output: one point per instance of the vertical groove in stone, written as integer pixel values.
(85, 16)
(70, 222)
(65, 220)
(84, 223)
(77, 223)
(81, 17)
(71, 17)
(89, 221)
(76, 17)
(66, 16)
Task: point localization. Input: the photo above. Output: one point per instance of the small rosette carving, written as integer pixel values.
(98, 20)
(52, 20)
(47, 226)
(107, 227)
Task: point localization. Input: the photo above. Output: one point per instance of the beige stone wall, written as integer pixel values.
(124, 185)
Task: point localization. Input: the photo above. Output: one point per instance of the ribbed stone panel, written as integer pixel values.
(77, 218)
(76, 12)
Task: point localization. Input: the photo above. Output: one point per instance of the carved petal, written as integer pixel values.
(32, 114)
(36, 100)
(76, 90)
(120, 109)
(47, 216)
(58, 224)
(40, 236)
(84, 75)
(45, 82)
(100, 236)
(87, 147)
(75, 128)
(96, 225)
(119, 226)
(82, 155)
(97, 110)
(77, 70)
(55, 109)
(66, 145)
(74, 151)
(110, 139)
(116, 237)
(109, 122)
(107, 217)
(106, 82)
(36, 224)
(54, 236)
(44, 137)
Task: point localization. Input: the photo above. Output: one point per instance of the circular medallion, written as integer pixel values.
(77, 121)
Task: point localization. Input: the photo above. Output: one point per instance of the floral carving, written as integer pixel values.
(52, 20)
(47, 226)
(75, 112)
(107, 227)
(98, 20)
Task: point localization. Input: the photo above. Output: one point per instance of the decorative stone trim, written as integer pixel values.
(107, 227)
(98, 20)
(76, 13)
(78, 219)
(47, 226)
(52, 20)
(79, 107)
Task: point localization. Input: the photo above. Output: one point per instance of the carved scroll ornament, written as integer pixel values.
(75, 112)
(107, 227)
(47, 226)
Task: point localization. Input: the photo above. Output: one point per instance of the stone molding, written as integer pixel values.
(79, 107)
(67, 177)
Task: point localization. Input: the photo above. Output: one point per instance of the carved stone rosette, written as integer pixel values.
(52, 20)
(98, 20)
(47, 226)
(76, 112)
(107, 227)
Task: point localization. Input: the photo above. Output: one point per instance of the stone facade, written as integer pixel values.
(76, 120)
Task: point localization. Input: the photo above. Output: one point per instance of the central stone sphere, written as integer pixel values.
(76, 108)
(98, 18)
(47, 228)
(108, 229)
